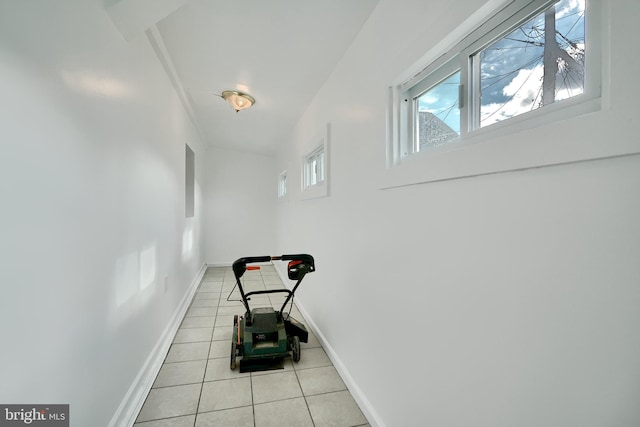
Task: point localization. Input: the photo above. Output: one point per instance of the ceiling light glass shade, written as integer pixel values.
(238, 100)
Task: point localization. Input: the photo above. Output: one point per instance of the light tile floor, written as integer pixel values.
(196, 388)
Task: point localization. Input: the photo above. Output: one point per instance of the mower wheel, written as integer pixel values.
(233, 356)
(296, 348)
(233, 344)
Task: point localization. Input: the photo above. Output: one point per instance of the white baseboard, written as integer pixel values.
(130, 406)
(367, 409)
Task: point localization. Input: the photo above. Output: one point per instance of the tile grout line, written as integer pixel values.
(195, 419)
(251, 376)
(304, 396)
(204, 374)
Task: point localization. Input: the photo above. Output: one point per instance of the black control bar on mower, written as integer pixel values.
(299, 266)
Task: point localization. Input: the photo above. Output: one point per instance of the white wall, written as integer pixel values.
(240, 205)
(92, 219)
(510, 299)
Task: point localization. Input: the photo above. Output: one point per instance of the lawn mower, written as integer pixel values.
(263, 337)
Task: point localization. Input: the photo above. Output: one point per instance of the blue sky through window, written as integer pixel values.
(512, 68)
(442, 101)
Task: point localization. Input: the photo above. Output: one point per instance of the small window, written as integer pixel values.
(282, 184)
(314, 167)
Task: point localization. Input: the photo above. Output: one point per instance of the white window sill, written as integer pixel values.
(578, 133)
(316, 191)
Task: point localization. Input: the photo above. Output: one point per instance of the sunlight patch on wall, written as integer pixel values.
(94, 84)
(355, 113)
(147, 267)
(127, 277)
(187, 243)
(135, 272)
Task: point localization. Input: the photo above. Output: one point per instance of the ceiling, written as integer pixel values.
(279, 51)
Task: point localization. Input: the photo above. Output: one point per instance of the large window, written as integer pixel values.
(536, 64)
(529, 55)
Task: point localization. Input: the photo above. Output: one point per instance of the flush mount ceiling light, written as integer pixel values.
(238, 100)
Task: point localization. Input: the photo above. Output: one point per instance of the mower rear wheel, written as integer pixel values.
(233, 356)
(233, 365)
(295, 347)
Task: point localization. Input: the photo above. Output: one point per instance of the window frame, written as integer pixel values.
(282, 184)
(412, 94)
(314, 160)
(494, 24)
(320, 188)
(591, 89)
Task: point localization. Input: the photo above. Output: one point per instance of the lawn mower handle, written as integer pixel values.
(240, 265)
